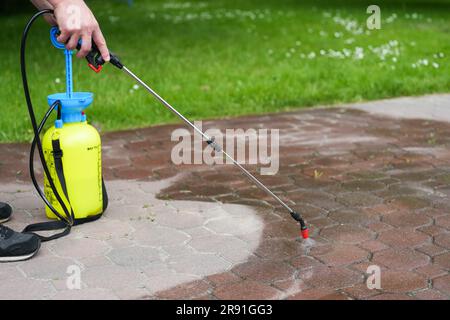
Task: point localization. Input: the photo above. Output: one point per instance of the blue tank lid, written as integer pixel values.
(72, 108)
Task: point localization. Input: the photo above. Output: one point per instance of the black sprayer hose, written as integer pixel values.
(33, 148)
(69, 216)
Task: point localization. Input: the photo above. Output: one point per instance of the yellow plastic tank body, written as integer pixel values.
(81, 147)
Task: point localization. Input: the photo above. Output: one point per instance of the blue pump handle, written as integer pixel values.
(72, 103)
(54, 32)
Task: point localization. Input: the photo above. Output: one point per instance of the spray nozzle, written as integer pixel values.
(305, 233)
(303, 228)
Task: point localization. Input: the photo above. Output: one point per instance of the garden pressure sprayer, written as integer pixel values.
(63, 197)
(70, 153)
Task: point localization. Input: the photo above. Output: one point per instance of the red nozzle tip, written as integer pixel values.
(305, 233)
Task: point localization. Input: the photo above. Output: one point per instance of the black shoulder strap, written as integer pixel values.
(49, 226)
(54, 225)
(57, 157)
(59, 224)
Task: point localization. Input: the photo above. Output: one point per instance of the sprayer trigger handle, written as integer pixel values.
(96, 69)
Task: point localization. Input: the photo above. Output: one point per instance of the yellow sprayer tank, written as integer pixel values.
(73, 153)
(81, 160)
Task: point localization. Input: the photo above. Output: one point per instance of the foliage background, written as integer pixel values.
(223, 58)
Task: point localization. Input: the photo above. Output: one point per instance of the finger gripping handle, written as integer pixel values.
(94, 57)
(96, 61)
(54, 33)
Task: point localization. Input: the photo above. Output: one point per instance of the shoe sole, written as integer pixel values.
(5, 220)
(20, 258)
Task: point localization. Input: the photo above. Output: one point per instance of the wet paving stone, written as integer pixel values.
(401, 282)
(372, 188)
(331, 277)
(407, 219)
(403, 238)
(339, 255)
(264, 271)
(442, 284)
(245, 290)
(353, 216)
(443, 260)
(359, 199)
(347, 233)
(404, 259)
(363, 185)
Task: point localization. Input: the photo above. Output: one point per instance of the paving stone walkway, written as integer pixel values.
(373, 187)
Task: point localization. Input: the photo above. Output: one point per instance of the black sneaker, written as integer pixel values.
(16, 246)
(5, 212)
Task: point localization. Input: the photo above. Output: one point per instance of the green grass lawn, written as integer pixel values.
(222, 58)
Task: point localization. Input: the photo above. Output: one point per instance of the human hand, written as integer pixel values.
(75, 20)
